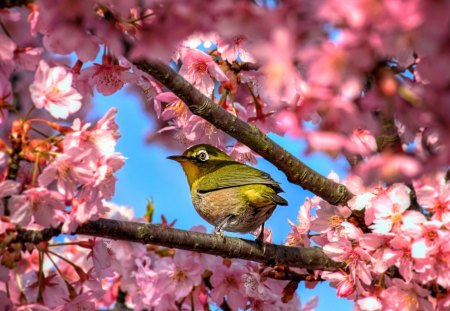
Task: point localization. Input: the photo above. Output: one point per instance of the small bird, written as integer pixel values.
(229, 195)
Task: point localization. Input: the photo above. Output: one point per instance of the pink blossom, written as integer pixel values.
(242, 153)
(52, 89)
(5, 302)
(400, 255)
(255, 287)
(388, 167)
(336, 66)
(441, 258)
(298, 235)
(68, 169)
(7, 47)
(234, 48)
(12, 14)
(329, 142)
(288, 122)
(147, 292)
(390, 208)
(56, 20)
(427, 236)
(360, 142)
(5, 96)
(38, 204)
(28, 58)
(101, 254)
(199, 69)
(84, 301)
(196, 40)
(280, 77)
(104, 178)
(434, 196)
(100, 140)
(109, 78)
(179, 274)
(343, 281)
(227, 283)
(332, 220)
(405, 296)
(54, 290)
(175, 111)
(364, 141)
(87, 206)
(150, 89)
(370, 303)
(199, 300)
(356, 258)
(383, 256)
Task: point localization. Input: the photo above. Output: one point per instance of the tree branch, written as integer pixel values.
(296, 171)
(271, 254)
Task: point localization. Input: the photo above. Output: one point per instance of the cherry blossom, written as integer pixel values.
(405, 295)
(52, 89)
(200, 69)
(226, 281)
(54, 291)
(38, 204)
(345, 283)
(434, 197)
(298, 236)
(7, 48)
(180, 274)
(389, 209)
(109, 78)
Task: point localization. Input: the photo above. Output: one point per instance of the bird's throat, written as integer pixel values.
(192, 172)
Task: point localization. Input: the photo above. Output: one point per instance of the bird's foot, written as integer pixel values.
(260, 240)
(218, 231)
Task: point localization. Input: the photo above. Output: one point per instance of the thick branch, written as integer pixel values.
(312, 258)
(296, 171)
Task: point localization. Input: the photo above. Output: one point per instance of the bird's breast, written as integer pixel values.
(215, 206)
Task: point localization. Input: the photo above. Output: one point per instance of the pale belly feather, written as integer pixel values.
(216, 206)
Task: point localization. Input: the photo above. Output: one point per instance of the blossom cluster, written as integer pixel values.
(91, 272)
(396, 251)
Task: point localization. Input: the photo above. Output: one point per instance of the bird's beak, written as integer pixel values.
(178, 158)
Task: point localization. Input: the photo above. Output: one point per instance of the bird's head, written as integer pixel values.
(198, 160)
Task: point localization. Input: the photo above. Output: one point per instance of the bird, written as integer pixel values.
(229, 195)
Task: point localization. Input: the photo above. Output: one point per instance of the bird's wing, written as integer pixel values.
(235, 174)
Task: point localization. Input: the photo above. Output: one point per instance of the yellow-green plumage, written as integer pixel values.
(229, 195)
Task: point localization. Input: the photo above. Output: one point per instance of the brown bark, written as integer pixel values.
(270, 254)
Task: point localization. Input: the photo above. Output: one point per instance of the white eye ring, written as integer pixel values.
(203, 156)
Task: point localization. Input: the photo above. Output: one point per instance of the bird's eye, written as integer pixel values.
(202, 155)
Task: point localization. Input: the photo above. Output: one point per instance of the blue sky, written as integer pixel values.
(147, 174)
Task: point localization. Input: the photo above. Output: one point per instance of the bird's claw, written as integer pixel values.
(260, 240)
(219, 232)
